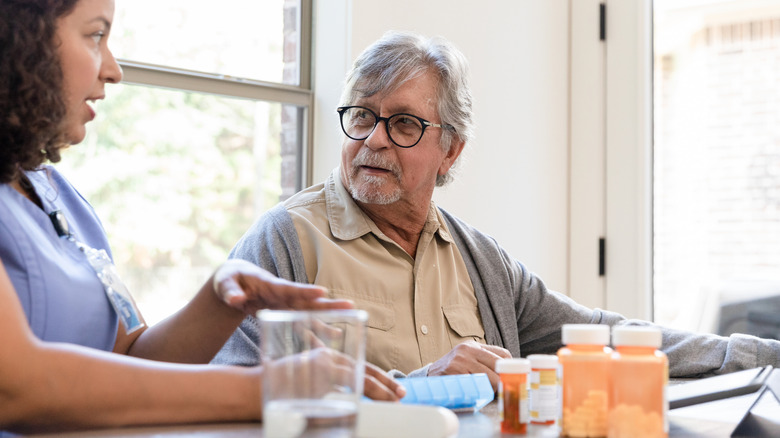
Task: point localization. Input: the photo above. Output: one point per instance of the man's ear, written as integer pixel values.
(456, 147)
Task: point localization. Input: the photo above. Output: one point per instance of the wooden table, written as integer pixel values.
(711, 420)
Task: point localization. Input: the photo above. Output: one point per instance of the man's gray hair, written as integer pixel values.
(400, 56)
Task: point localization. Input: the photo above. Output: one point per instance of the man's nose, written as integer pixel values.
(379, 137)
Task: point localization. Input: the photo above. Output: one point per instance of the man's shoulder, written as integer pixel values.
(470, 239)
(306, 198)
(277, 223)
(459, 226)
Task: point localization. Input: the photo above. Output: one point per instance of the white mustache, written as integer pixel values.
(370, 159)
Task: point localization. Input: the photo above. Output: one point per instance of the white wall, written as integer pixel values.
(513, 179)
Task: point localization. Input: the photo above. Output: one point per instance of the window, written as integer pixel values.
(207, 131)
(717, 166)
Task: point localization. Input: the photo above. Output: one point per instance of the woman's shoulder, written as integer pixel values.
(50, 176)
(60, 194)
(58, 180)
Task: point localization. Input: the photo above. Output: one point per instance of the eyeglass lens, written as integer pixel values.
(404, 130)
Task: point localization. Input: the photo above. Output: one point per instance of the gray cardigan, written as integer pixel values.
(518, 312)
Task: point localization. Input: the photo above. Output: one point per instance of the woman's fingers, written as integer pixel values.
(324, 370)
(249, 288)
(380, 386)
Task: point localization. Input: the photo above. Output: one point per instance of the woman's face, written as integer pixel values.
(87, 64)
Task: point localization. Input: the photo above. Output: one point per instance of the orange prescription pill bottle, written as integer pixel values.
(640, 373)
(584, 361)
(513, 394)
(544, 398)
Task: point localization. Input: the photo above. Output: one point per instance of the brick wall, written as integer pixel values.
(291, 116)
(717, 166)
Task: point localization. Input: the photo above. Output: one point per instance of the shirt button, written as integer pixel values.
(424, 329)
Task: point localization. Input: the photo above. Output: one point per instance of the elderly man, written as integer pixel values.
(442, 297)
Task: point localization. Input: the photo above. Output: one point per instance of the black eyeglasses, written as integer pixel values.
(404, 130)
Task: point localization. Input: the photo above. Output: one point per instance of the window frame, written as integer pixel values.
(152, 75)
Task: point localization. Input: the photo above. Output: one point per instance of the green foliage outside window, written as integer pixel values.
(176, 178)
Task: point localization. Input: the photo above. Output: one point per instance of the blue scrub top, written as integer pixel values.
(61, 295)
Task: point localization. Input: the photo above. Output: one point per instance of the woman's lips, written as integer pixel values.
(91, 112)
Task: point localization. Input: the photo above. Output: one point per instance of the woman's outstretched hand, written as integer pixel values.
(247, 287)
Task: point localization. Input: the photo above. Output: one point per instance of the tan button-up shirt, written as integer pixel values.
(419, 308)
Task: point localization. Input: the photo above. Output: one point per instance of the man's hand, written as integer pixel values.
(471, 357)
(247, 287)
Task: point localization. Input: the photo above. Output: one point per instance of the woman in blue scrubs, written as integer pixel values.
(63, 312)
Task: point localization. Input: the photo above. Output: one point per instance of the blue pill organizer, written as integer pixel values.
(463, 392)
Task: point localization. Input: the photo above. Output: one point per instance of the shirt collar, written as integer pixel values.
(348, 222)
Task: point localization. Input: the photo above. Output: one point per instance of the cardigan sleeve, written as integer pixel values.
(528, 316)
(272, 244)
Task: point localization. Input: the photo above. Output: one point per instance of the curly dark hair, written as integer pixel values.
(32, 108)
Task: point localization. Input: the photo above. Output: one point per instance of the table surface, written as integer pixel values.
(713, 419)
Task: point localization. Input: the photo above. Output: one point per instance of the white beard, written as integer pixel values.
(371, 189)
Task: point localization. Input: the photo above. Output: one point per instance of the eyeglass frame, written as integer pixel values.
(425, 124)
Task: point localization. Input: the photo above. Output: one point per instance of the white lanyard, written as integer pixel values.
(106, 272)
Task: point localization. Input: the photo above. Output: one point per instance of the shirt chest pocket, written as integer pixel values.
(381, 314)
(382, 345)
(464, 322)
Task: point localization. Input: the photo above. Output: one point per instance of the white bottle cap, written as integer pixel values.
(637, 336)
(543, 361)
(587, 334)
(513, 366)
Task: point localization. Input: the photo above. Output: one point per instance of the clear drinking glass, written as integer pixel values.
(314, 366)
